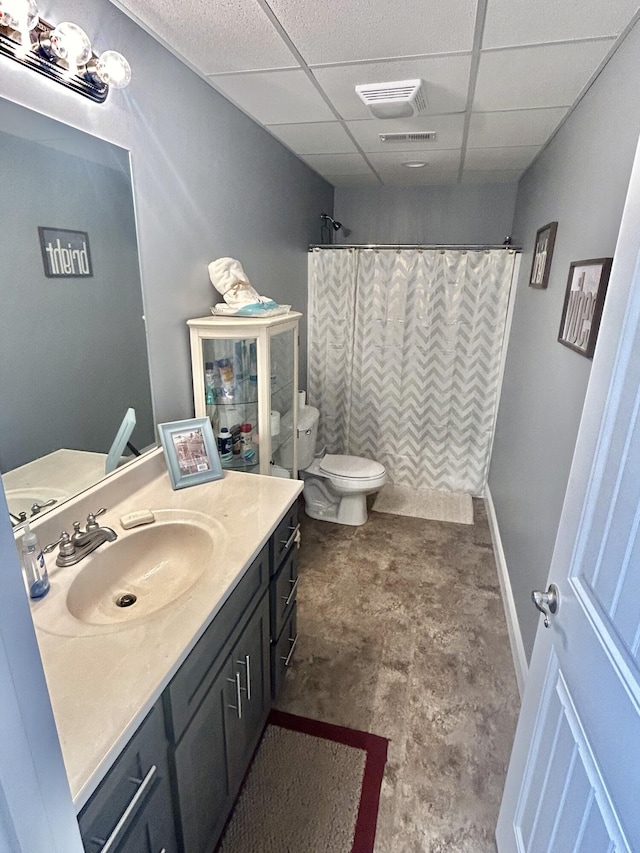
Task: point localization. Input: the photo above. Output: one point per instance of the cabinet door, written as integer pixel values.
(135, 791)
(153, 831)
(202, 772)
(248, 693)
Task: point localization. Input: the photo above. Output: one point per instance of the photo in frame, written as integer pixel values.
(583, 303)
(190, 452)
(542, 255)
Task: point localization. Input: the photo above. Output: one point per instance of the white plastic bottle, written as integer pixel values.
(33, 564)
(224, 445)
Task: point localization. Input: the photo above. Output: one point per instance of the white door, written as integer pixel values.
(573, 784)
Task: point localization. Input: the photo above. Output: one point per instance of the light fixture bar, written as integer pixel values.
(41, 58)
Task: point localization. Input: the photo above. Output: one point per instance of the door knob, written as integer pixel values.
(546, 602)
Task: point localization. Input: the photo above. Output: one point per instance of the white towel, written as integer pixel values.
(229, 278)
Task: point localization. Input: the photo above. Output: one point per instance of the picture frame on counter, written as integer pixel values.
(190, 452)
(583, 304)
(542, 255)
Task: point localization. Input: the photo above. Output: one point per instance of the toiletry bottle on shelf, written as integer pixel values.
(209, 383)
(33, 564)
(246, 442)
(224, 445)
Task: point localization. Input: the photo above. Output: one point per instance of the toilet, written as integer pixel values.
(335, 487)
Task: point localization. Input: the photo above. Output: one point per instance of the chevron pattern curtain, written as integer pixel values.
(404, 358)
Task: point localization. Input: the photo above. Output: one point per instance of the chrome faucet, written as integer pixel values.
(81, 542)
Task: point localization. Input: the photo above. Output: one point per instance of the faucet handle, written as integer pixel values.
(66, 545)
(92, 524)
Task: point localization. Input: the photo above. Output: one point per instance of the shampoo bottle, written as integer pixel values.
(33, 563)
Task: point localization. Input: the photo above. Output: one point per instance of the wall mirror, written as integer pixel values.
(72, 332)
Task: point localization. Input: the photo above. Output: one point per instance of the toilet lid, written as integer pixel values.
(351, 466)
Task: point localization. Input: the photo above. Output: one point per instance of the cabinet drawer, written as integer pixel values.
(128, 790)
(283, 593)
(282, 652)
(283, 540)
(194, 678)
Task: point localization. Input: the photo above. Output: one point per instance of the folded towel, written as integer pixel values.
(229, 278)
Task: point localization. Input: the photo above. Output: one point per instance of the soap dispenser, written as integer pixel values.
(33, 564)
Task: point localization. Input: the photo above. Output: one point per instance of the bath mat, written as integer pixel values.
(312, 787)
(431, 504)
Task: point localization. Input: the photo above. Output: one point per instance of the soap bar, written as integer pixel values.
(135, 519)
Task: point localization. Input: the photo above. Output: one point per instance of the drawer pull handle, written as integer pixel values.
(237, 708)
(293, 642)
(289, 598)
(295, 537)
(112, 841)
(247, 662)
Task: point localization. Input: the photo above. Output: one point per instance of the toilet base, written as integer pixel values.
(349, 509)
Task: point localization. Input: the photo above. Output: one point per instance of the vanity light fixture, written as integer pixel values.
(61, 52)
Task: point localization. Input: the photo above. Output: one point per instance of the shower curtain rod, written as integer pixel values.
(469, 247)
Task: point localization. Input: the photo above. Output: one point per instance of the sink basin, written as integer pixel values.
(145, 570)
(21, 500)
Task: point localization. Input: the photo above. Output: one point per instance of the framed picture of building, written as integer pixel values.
(190, 452)
(583, 303)
(542, 255)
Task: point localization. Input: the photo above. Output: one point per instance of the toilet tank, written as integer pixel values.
(307, 437)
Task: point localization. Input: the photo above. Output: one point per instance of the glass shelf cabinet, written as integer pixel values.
(245, 379)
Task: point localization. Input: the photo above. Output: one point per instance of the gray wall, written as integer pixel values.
(455, 214)
(580, 181)
(208, 182)
(67, 345)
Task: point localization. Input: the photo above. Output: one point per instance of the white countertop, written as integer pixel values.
(103, 684)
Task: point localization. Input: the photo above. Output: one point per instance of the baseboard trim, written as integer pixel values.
(513, 626)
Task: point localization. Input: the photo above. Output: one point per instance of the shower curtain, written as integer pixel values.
(404, 358)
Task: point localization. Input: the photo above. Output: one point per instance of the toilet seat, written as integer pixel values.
(352, 473)
(350, 467)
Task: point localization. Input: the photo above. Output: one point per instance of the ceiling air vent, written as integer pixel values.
(393, 100)
(426, 136)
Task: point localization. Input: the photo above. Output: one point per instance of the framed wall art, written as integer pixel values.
(190, 452)
(583, 302)
(542, 255)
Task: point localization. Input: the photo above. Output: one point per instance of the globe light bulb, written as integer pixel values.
(19, 14)
(71, 43)
(113, 69)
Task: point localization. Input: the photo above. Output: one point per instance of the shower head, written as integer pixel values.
(335, 225)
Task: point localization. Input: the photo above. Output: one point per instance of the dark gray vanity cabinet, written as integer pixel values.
(282, 597)
(173, 787)
(216, 708)
(132, 810)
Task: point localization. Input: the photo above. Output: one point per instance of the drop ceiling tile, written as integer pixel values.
(449, 131)
(275, 97)
(338, 164)
(550, 75)
(233, 35)
(369, 180)
(342, 31)
(442, 160)
(500, 158)
(446, 82)
(514, 127)
(320, 137)
(493, 176)
(418, 177)
(508, 23)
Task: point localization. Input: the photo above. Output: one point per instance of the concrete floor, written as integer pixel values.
(402, 633)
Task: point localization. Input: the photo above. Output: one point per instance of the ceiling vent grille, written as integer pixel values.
(399, 99)
(426, 136)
